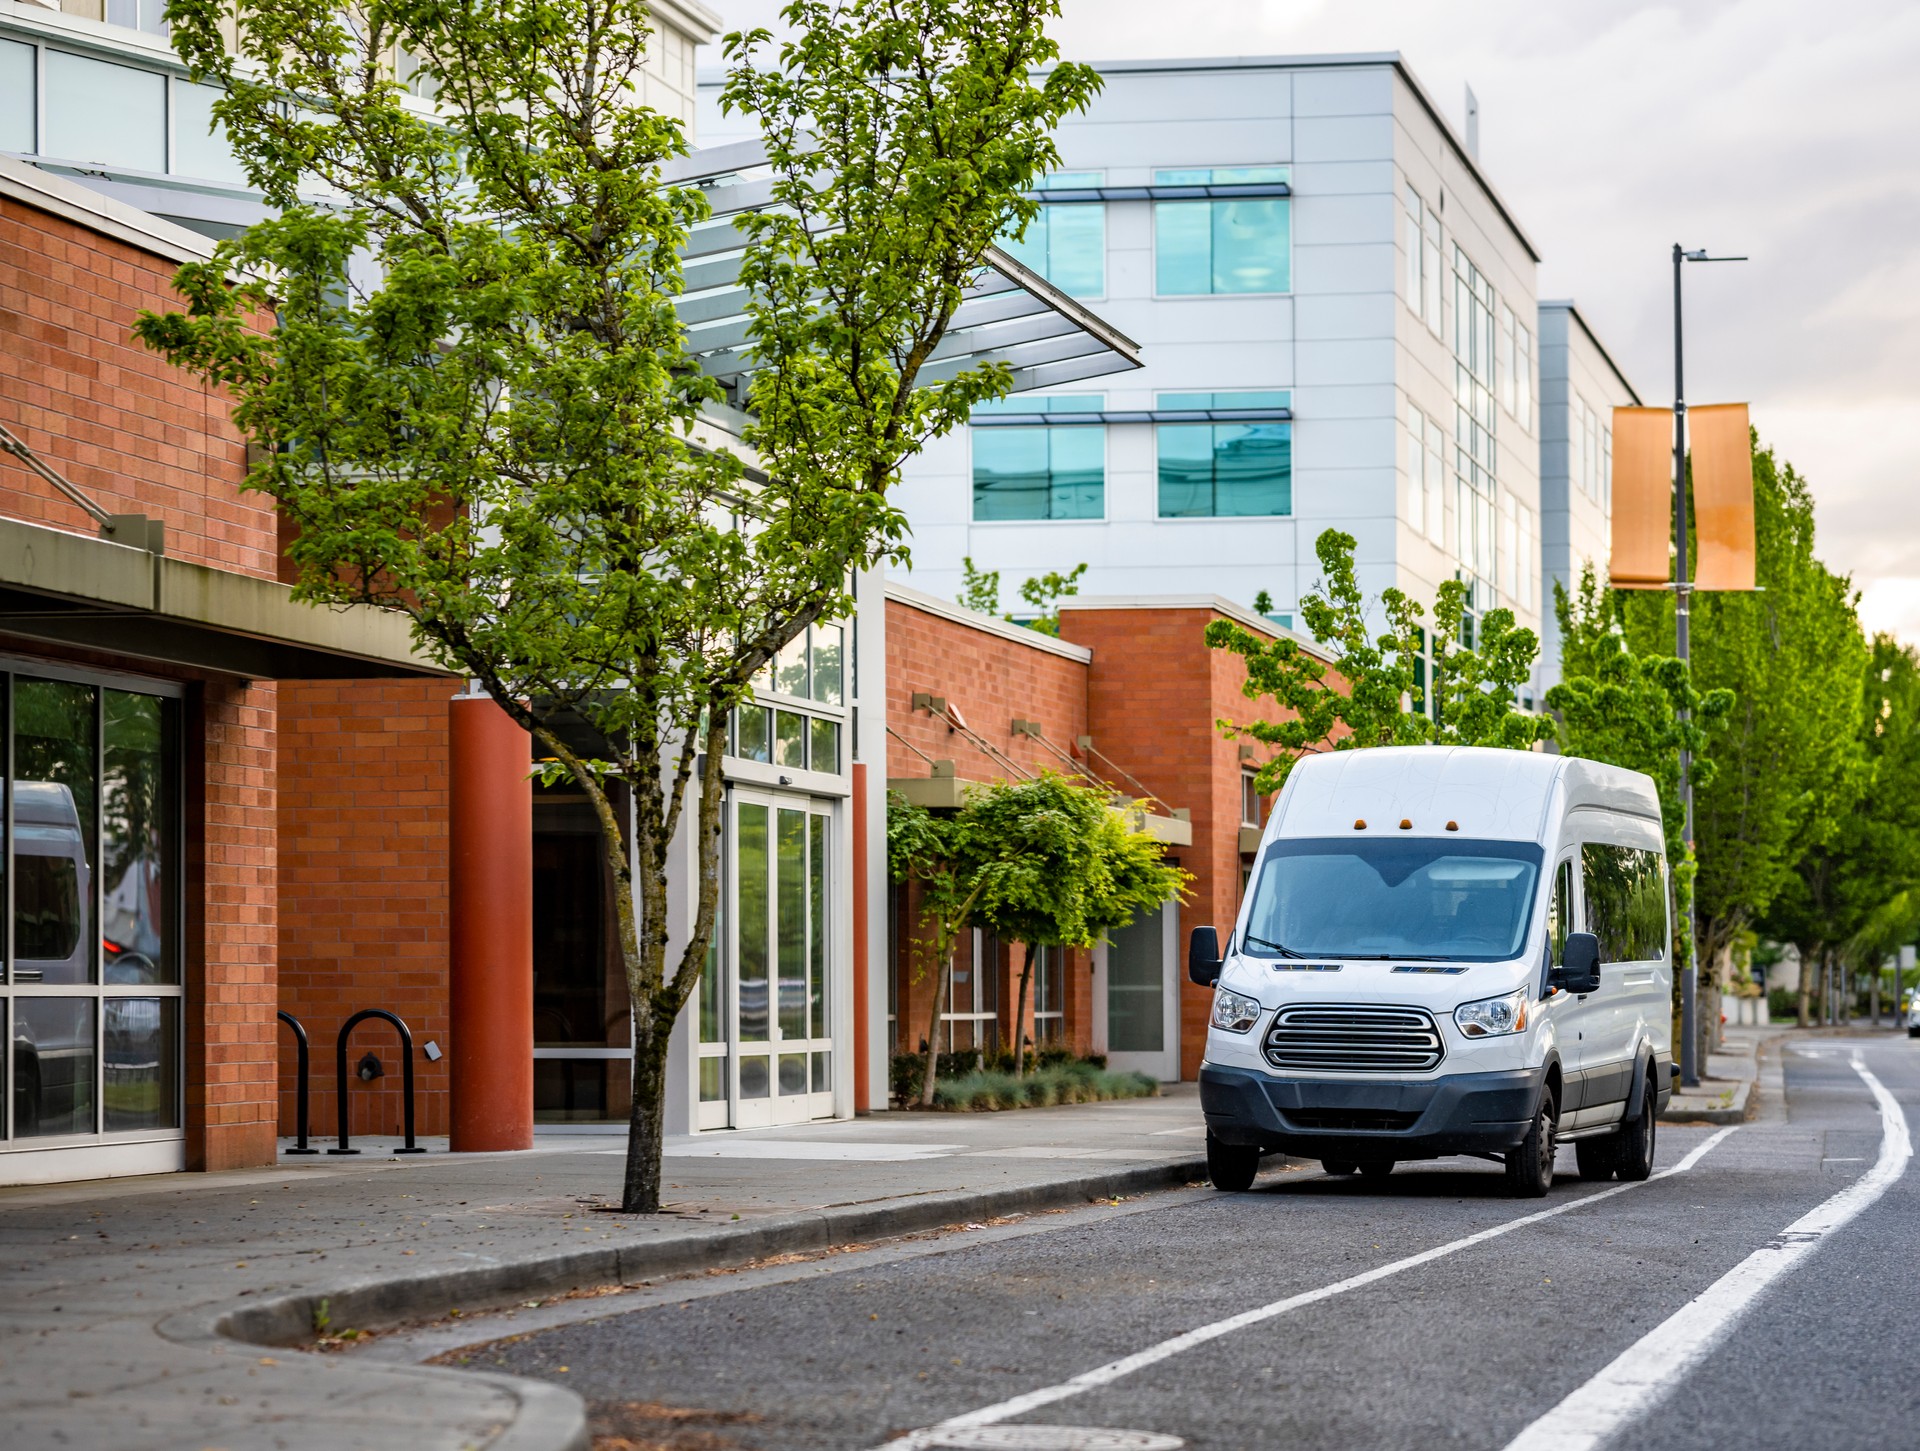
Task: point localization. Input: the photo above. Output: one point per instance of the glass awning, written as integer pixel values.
(1011, 314)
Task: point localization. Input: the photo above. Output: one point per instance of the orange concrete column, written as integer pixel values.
(490, 1051)
(862, 1090)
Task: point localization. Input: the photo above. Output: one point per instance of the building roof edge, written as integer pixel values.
(1567, 304)
(930, 604)
(74, 202)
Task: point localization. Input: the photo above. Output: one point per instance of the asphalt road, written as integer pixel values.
(1469, 1345)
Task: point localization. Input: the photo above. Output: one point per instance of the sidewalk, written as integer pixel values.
(135, 1312)
(1725, 1094)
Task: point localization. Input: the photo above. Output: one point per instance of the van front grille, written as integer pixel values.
(1356, 1039)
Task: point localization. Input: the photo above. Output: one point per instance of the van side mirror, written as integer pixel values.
(1203, 956)
(1579, 969)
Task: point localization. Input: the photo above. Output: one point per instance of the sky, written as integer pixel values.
(1785, 130)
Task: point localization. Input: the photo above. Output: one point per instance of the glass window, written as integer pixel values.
(1436, 482)
(1510, 545)
(111, 115)
(1560, 915)
(754, 1082)
(790, 667)
(53, 1066)
(1626, 898)
(1228, 246)
(1606, 468)
(1220, 470)
(136, 799)
(147, 15)
(1503, 360)
(1423, 899)
(791, 914)
(1416, 470)
(789, 739)
(16, 96)
(713, 1078)
(824, 747)
(200, 148)
(1416, 243)
(755, 947)
(1066, 243)
(1529, 557)
(1057, 472)
(817, 929)
(141, 1089)
(1430, 265)
(1523, 375)
(753, 733)
(829, 644)
(54, 840)
(1249, 800)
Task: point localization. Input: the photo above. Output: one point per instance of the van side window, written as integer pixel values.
(1560, 914)
(1626, 896)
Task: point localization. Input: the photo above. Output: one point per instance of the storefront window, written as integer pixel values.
(93, 856)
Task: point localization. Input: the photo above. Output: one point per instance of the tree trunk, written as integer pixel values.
(646, 1124)
(941, 985)
(1020, 1017)
(1808, 958)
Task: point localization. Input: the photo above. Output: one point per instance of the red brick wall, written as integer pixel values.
(1155, 693)
(135, 433)
(363, 888)
(992, 680)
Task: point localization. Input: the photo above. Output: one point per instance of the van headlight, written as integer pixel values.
(1491, 1017)
(1233, 1013)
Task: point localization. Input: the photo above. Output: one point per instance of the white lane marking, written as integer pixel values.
(1114, 1370)
(1642, 1375)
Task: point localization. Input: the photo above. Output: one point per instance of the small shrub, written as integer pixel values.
(1783, 1004)
(1075, 1080)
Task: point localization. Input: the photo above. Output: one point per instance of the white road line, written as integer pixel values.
(1166, 1349)
(1642, 1375)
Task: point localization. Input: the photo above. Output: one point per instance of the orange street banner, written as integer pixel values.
(1721, 445)
(1642, 498)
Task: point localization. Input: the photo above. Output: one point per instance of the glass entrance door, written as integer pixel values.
(774, 1056)
(1143, 1023)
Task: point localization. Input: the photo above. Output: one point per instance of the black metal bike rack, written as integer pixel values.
(406, 1066)
(300, 1092)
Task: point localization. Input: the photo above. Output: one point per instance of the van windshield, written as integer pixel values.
(1466, 901)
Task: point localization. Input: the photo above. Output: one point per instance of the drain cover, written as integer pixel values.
(1054, 1438)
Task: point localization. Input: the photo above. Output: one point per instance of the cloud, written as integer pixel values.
(1775, 128)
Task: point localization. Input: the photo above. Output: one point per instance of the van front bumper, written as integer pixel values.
(1318, 1118)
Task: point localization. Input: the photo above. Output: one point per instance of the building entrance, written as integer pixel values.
(766, 1049)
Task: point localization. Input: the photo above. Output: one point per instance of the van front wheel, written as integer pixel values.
(1231, 1166)
(1530, 1166)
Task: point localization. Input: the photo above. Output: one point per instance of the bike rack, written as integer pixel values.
(300, 1092)
(406, 1065)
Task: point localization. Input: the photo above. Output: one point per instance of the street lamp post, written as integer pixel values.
(1683, 610)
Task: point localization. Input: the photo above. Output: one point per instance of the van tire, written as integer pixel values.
(1339, 1168)
(1634, 1144)
(1231, 1167)
(1530, 1165)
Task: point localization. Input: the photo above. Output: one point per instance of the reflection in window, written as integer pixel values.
(817, 918)
(790, 667)
(147, 15)
(791, 913)
(53, 836)
(1056, 472)
(755, 949)
(1219, 470)
(829, 684)
(141, 1089)
(53, 1064)
(1239, 245)
(1066, 243)
(789, 739)
(200, 147)
(134, 800)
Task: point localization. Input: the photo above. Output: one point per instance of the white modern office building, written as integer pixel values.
(1336, 311)
(1580, 386)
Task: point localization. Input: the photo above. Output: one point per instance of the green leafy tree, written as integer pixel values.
(1372, 693)
(935, 853)
(1636, 711)
(979, 588)
(477, 402)
(1846, 901)
(1045, 594)
(1059, 867)
(1793, 656)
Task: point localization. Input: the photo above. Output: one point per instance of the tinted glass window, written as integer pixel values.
(1626, 895)
(1420, 899)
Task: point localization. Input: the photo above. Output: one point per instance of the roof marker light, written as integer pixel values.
(1360, 825)
(1406, 824)
(1453, 826)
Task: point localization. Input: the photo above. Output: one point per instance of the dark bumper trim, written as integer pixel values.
(1461, 1113)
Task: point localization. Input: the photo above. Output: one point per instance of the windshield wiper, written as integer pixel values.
(1280, 947)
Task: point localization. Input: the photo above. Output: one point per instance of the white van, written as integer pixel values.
(1445, 950)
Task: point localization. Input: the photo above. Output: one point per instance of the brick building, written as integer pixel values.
(145, 645)
(1129, 695)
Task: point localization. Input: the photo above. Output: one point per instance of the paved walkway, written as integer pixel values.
(135, 1311)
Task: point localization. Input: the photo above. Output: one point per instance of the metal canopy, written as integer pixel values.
(1082, 418)
(1206, 192)
(1011, 314)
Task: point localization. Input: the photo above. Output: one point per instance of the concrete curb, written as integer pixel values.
(551, 1418)
(1737, 1111)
